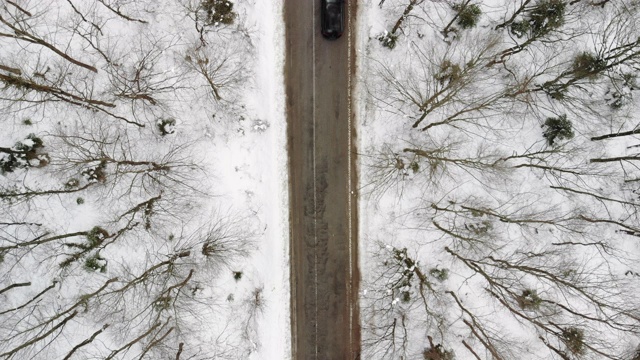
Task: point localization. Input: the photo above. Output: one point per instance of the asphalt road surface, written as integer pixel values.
(324, 272)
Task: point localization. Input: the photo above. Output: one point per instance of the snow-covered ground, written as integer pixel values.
(153, 220)
(271, 261)
(494, 222)
(144, 179)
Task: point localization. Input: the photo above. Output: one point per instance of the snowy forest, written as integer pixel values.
(129, 209)
(500, 179)
(499, 158)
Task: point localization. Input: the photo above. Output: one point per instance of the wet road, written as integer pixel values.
(324, 273)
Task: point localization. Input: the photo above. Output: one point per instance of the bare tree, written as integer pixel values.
(511, 234)
(109, 246)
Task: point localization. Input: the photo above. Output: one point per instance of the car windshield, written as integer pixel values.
(333, 16)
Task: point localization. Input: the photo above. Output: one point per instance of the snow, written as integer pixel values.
(232, 152)
(422, 210)
(272, 259)
(425, 213)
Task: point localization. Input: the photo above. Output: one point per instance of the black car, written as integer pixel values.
(332, 18)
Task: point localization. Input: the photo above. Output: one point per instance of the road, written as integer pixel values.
(322, 172)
